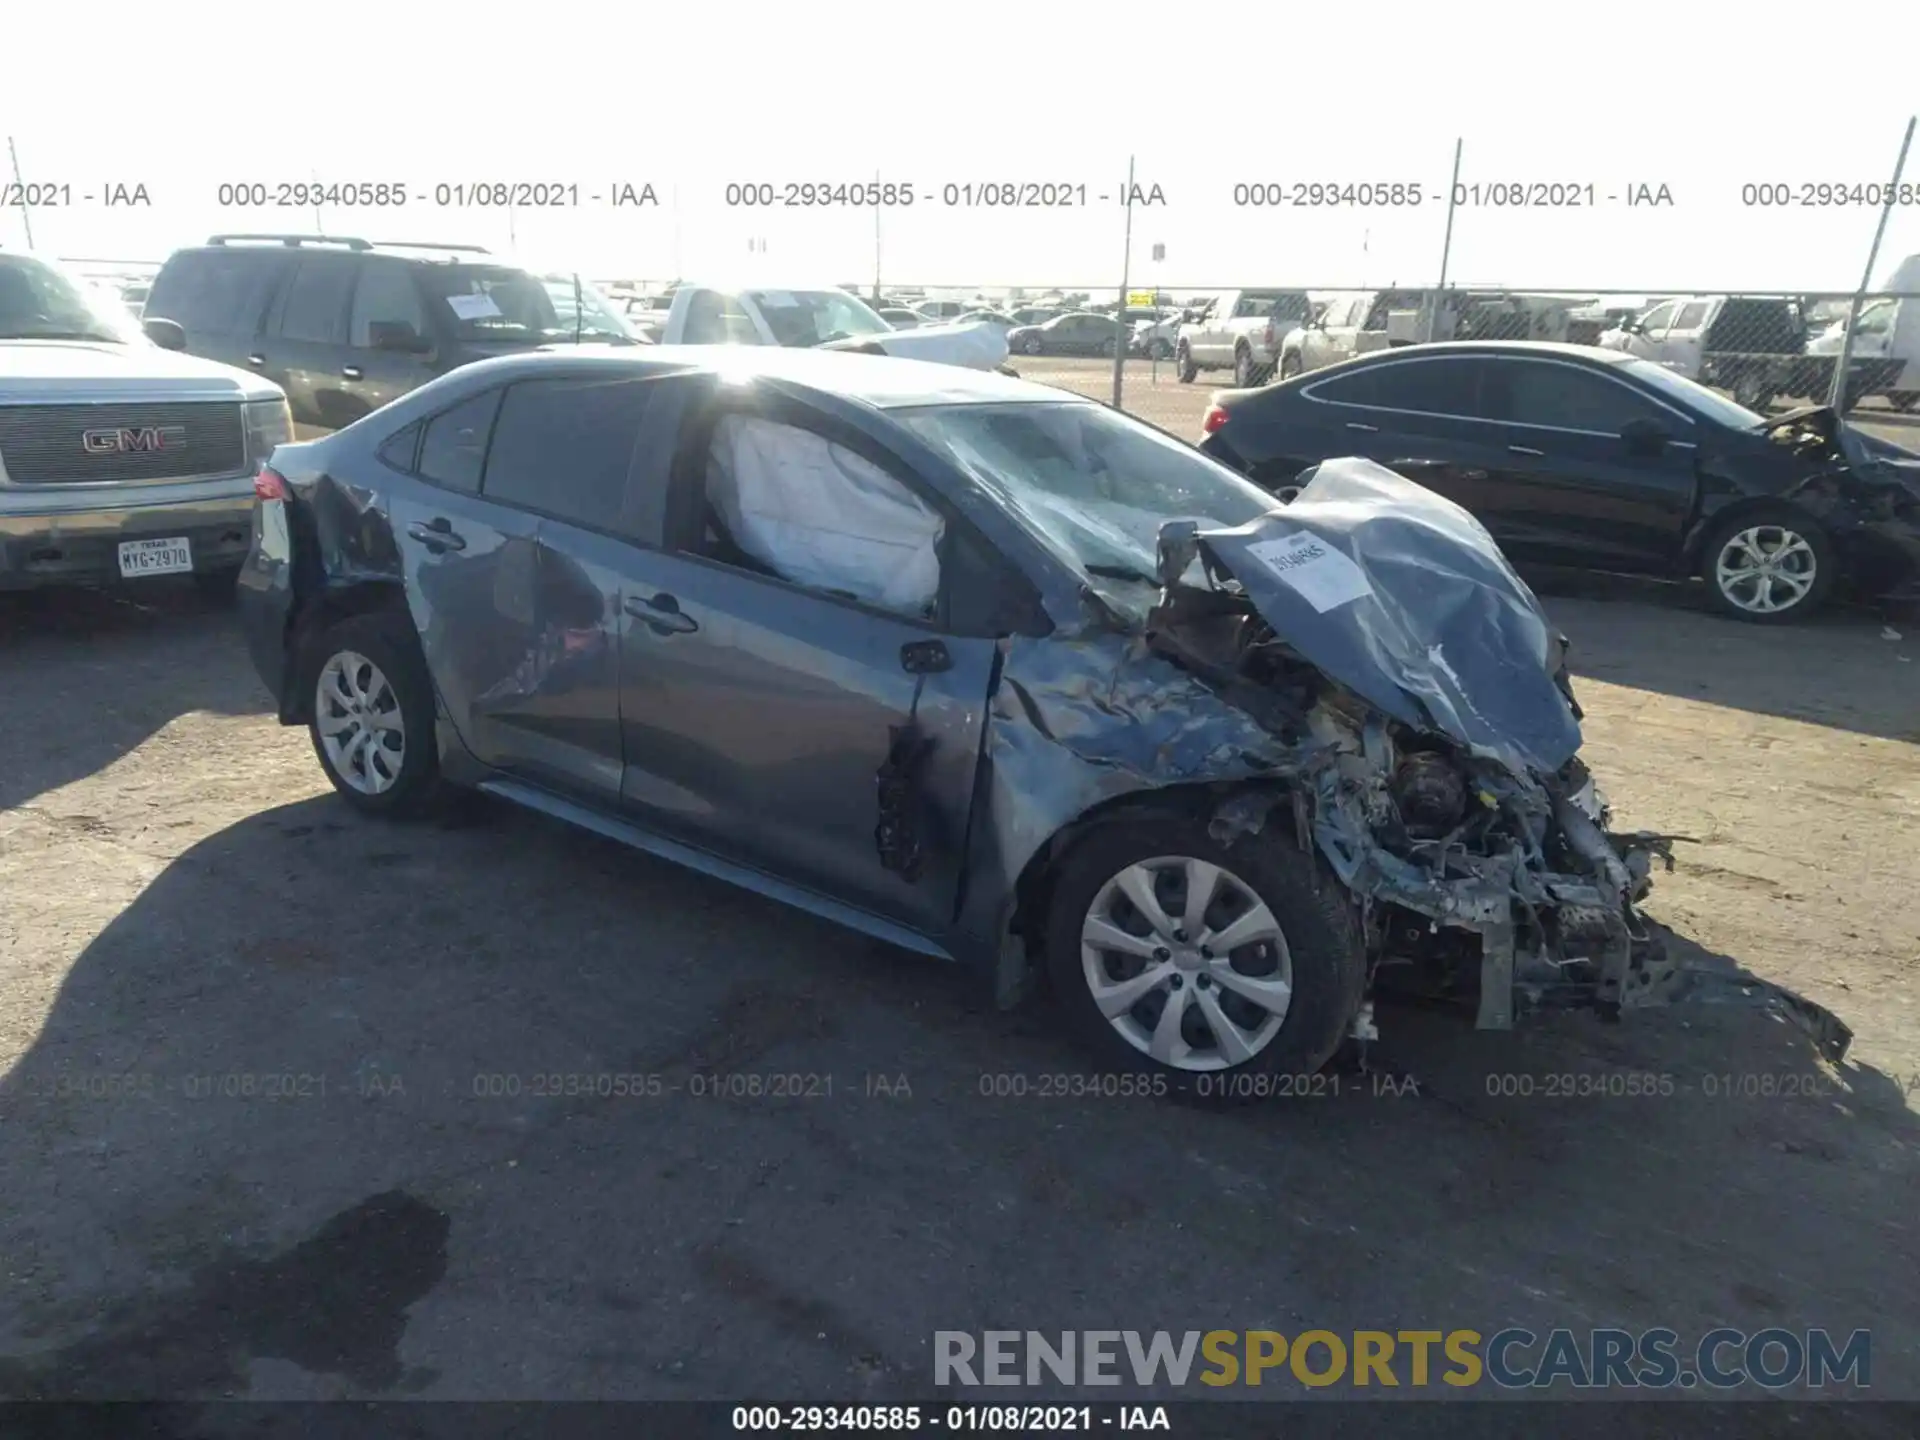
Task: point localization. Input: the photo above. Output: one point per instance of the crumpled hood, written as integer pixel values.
(977, 344)
(1402, 596)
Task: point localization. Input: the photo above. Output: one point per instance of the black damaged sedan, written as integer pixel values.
(973, 666)
(1587, 458)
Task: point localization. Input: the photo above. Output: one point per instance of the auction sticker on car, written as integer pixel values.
(473, 307)
(1322, 576)
(172, 556)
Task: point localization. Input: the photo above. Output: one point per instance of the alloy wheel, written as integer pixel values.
(357, 716)
(1187, 963)
(1765, 569)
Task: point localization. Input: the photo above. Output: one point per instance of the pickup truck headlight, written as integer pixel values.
(269, 423)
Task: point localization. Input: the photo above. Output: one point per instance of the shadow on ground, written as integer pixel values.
(126, 662)
(498, 1110)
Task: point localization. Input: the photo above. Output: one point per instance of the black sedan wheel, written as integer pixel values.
(1768, 568)
(1033, 345)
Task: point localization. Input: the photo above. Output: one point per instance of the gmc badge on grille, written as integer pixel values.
(147, 437)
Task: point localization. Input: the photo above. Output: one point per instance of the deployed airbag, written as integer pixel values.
(819, 515)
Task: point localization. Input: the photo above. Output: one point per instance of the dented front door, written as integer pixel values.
(757, 720)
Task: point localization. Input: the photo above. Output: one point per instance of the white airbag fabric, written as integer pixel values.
(821, 516)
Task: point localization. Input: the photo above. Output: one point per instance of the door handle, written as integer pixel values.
(256, 359)
(1526, 450)
(437, 534)
(925, 657)
(1369, 429)
(353, 372)
(1473, 474)
(661, 614)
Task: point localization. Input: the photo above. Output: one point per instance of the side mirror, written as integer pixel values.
(396, 335)
(167, 334)
(1643, 437)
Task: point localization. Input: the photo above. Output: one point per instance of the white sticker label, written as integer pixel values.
(473, 307)
(1322, 576)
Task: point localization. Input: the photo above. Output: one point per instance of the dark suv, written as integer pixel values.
(345, 325)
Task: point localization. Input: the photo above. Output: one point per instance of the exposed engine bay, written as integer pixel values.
(1430, 727)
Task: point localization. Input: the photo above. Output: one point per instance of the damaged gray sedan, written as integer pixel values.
(973, 666)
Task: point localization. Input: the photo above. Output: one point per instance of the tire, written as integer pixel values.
(1159, 350)
(1110, 349)
(1320, 954)
(1033, 346)
(1790, 550)
(1183, 357)
(1290, 365)
(376, 657)
(1244, 376)
(1904, 400)
(218, 586)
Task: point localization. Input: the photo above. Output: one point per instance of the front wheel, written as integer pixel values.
(1159, 350)
(372, 722)
(1243, 369)
(1753, 392)
(1033, 345)
(1177, 956)
(1184, 359)
(1768, 567)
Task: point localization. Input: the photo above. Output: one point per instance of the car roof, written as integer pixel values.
(883, 382)
(1543, 348)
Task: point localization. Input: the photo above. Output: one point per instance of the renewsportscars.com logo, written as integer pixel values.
(1513, 1359)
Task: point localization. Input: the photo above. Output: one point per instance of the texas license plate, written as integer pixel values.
(155, 557)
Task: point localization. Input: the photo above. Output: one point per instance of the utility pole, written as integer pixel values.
(26, 220)
(1120, 316)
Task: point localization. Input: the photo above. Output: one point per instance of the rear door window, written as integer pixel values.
(1453, 387)
(385, 292)
(314, 307)
(453, 452)
(564, 447)
(216, 292)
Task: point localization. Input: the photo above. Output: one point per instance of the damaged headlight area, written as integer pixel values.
(1426, 730)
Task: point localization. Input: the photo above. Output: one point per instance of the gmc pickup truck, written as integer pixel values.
(120, 459)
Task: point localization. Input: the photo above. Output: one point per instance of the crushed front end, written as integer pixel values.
(1422, 703)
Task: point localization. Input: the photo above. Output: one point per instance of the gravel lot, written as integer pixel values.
(187, 915)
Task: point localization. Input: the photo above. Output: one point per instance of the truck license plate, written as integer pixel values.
(172, 556)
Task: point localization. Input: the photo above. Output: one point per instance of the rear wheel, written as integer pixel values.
(1176, 956)
(1290, 365)
(1753, 392)
(372, 721)
(1244, 376)
(1768, 566)
(1183, 357)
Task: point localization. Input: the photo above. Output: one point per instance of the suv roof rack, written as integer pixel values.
(294, 240)
(430, 245)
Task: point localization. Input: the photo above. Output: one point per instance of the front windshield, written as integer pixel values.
(1096, 484)
(39, 301)
(501, 302)
(1694, 395)
(816, 317)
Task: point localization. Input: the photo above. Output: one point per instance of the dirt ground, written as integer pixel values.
(292, 1101)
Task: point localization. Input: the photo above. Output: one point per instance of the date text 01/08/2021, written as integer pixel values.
(1408, 194)
(968, 194)
(1002, 1419)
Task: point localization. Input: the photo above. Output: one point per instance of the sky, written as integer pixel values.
(1596, 100)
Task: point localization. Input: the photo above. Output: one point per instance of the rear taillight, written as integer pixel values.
(1216, 417)
(269, 484)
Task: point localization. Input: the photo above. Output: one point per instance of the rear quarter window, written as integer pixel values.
(453, 450)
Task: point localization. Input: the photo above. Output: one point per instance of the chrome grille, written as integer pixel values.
(44, 445)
